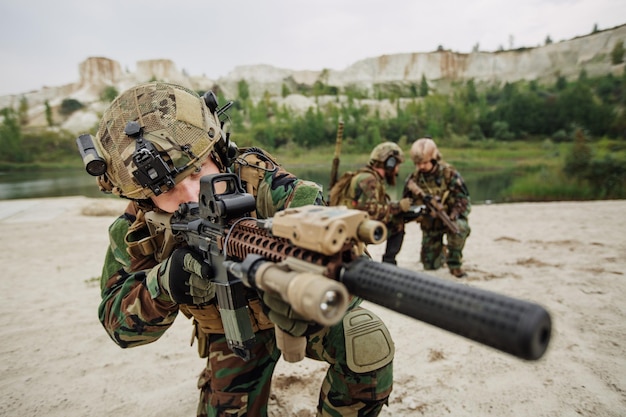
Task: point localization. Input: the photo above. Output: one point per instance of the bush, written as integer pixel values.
(607, 177)
(50, 146)
(501, 131)
(577, 161)
(108, 94)
(69, 106)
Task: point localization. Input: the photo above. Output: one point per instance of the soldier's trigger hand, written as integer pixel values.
(282, 315)
(186, 277)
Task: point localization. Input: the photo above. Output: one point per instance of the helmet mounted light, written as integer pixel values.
(94, 164)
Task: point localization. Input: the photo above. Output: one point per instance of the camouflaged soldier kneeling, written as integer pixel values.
(434, 178)
(173, 139)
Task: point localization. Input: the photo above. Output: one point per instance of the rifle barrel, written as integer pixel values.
(514, 326)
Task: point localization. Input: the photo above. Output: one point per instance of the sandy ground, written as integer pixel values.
(56, 360)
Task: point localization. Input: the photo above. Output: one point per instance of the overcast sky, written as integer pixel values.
(42, 42)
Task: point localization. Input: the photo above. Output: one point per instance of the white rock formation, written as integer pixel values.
(591, 53)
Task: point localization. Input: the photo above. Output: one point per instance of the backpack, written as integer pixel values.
(341, 189)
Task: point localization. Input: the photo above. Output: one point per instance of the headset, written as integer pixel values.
(390, 163)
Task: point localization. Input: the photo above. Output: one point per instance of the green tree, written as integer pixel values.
(310, 129)
(11, 137)
(578, 105)
(49, 118)
(284, 91)
(423, 87)
(243, 90)
(578, 160)
(470, 89)
(617, 54)
(561, 83)
(22, 111)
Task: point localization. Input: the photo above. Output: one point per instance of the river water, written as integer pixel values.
(483, 187)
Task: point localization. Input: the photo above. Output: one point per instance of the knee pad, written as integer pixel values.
(368, 343)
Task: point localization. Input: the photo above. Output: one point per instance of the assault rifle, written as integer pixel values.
(307, 256)
(434, 206)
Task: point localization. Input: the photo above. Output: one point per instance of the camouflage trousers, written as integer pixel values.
(432, 254)
(230, 386)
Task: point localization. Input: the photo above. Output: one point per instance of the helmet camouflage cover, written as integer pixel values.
(385, 150)
(173, 118)
(424, 149)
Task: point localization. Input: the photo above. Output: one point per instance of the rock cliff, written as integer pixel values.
(591, 53)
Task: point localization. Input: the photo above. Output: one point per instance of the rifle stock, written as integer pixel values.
(309, 256)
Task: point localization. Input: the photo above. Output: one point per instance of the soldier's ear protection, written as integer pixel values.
(391, 163)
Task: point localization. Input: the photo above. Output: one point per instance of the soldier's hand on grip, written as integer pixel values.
(186, 277)
(282, 315)
(405, 204)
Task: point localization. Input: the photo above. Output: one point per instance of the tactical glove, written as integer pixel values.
(283, 316)
(186, 278)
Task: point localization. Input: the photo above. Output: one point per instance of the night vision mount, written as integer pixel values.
(152, 171)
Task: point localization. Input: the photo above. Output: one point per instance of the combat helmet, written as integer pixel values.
(424, 149)
(150, 138)
(386, 155)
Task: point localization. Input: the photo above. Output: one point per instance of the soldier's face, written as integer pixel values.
(185, 191)
(425, 166)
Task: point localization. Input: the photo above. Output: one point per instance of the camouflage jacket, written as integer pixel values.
(131, 311)
(446, 183)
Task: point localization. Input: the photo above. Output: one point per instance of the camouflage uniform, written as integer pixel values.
(445, 183)
(367, 192)
(134, 311)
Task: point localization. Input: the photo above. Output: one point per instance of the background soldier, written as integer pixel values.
(156, 163)
(440, 187)
(365, 190)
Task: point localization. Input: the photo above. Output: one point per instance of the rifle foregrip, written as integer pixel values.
(514, 326)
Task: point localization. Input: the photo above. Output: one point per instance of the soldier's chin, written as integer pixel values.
(391, 179)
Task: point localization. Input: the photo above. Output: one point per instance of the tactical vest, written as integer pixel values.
(437, 184)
